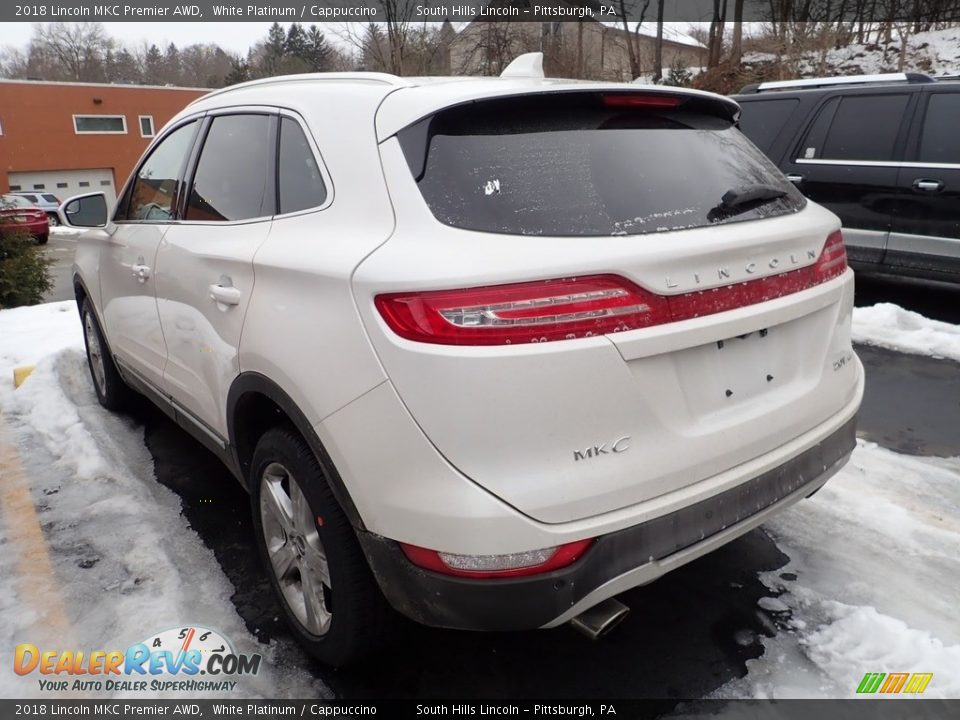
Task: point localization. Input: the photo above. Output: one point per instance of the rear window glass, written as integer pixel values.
(762, 120)
(570, 166)
(51, 198)
(8, 202)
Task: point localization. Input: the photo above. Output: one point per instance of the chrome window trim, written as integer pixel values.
(880, 163)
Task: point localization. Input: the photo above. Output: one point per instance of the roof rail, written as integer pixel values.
(811, 83)
(360, 76)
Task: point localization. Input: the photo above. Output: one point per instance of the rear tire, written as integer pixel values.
(42, 239)
(311, 554)
(112, 391)
(53, 219)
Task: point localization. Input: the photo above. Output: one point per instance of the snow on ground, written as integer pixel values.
(889, 326)
(127, 563)
(877, 578)
(872, 584)
(936, 52)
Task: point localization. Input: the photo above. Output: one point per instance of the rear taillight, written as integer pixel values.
(526, 312)
(479, 567)
(573, 308)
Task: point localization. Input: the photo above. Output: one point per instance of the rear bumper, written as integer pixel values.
(615, 563)
(36, 228)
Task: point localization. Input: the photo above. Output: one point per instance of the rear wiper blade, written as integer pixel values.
(740, 200)
(750, 194)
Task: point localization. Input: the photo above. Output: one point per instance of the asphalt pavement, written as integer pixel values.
(677, 642)
(61, 248)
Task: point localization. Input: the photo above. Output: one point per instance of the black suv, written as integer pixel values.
(882, 152)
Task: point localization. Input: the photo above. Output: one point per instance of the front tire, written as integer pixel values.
(311, 554)
(111, 391)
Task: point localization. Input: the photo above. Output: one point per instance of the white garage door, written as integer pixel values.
(65, 183)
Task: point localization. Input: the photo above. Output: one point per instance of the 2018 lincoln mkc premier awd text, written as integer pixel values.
(485, 352)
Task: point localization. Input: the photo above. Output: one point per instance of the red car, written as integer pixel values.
(19, 214)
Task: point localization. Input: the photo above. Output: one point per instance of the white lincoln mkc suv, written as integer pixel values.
(486, 352)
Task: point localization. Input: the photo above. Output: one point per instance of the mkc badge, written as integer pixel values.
(618, 446)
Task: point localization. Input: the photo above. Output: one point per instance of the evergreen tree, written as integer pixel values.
(319, 53)
(152, 66)
(295, 44)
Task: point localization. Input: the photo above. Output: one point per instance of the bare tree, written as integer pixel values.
(79, 48)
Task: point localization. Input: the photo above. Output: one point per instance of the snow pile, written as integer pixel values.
(936, 52)
(125, 561)
(29, 334)
(890, 326)
(877, 581)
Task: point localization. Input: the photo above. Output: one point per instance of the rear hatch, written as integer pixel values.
(593, 299)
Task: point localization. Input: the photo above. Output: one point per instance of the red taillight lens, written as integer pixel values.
(637, 100)
(481, 567)
(582, 307)
(526, 312)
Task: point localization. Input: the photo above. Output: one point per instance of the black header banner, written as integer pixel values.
(316, 11)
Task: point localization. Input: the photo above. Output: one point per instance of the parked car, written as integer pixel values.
(882, 152)
(17, 214)
(488, 352)
(48, 202)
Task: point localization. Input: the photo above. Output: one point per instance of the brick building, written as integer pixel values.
(70, 138)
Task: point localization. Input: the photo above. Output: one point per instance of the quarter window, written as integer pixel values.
(156, 186)
(235, 173)
(301, 185)
(100, 124)
(762, 120)
(940, 139)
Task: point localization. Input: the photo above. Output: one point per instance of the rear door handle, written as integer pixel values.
(225, 294)
(930, 186)
(141, 272)
(794, 178)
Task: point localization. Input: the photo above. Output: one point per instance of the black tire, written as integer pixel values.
(359, 618)
(112, 391)
(53, 219)
(42, 239)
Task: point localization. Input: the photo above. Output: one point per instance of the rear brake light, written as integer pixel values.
(531, 562)
(637, 100)
(573, 308)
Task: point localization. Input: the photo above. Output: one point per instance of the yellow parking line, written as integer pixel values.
(39, 589)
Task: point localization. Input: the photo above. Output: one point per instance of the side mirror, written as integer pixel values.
(85, 211)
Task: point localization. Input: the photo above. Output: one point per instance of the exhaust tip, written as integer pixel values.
(600, 619)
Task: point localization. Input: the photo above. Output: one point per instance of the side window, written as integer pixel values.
(300, 183)
(864, 127)
(762, 120)
(235, 172)
(153, 195)
(940, 139)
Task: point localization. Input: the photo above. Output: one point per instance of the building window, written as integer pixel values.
(14, 187)
(84, 183)
(39, 186)
(61, 185)
(146, 126)
(104, 183)
(100, 124)
(1, 128)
